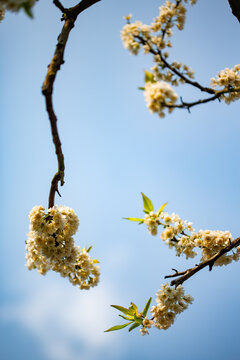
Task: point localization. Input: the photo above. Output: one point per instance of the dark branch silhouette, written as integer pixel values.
(235, 6)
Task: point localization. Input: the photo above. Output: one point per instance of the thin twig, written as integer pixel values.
(59, 5)
(183, 77)
(186, 105)
(69, 16)
(173, 69)
(83, 5)
(185, 275)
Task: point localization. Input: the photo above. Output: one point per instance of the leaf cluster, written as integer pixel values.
(132, 315)
(147, 209)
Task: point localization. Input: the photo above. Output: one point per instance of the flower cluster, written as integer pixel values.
(158, 95)
(128, 35)
(16, 5)
(211, 242)
(135, 34)
(180, 235)
(169, 76)
(175, 234)
(152, 221)
(228, 79)
(154, 38)
(170, 302)
(50, 246)
(170, 14)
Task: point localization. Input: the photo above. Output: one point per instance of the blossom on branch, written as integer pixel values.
(154, 39)
(158, 95)
(180, 235)
(170, 302)
(50, 246)
(228, 79)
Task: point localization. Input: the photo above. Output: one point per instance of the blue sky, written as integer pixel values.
(114, 149)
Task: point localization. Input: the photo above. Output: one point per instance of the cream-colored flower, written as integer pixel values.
(158, 96)
(143, 331)
(147, 323)
(228, 79)
(170, 302)
(50, 246)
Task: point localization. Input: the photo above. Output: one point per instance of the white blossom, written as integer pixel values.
(50, 246)
(158, 95)
(228, 79)
(170, 302)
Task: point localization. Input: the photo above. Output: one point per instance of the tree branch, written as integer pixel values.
(69, 17)
(183, 77)
(186, 105)
(83, 5)
(185, 275)
(59, 5)
(172, 68)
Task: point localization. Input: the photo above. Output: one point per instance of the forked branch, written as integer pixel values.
(69, 16)
(186, 274)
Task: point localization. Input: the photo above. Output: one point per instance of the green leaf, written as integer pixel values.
(149, 77)
(141, 88)
(133, 326)
(161, 208)
(135, 219)
(118, 327)
(123, 309)
(133, 306)
(147, 204)
(89, 249)
(27, 9)
(146, 307)
(138, 319)
(126, 317)
(95, 261)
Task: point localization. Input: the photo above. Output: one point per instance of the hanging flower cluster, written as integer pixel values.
(170, 302)
(50, 246)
